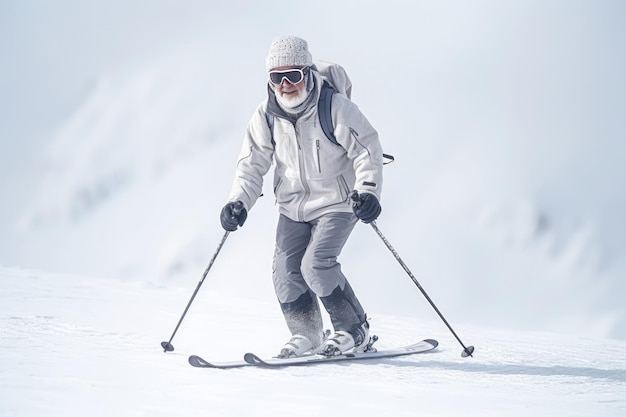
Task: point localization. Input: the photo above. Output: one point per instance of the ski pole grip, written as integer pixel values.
(237, 208)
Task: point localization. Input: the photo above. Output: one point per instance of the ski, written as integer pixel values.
(198, 362)
(420, 347)
(250, 359)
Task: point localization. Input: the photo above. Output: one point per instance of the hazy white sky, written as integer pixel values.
(485, 103)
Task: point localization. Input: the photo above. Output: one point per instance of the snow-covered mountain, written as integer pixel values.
(505, 120)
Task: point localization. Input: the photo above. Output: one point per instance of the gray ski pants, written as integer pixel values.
(306, 268)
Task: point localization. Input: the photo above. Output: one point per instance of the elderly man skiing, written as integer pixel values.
(314, 180)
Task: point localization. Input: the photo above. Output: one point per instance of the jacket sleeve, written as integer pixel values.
(254, 161)
(355, 133)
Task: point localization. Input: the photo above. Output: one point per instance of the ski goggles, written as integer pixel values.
(293, 76)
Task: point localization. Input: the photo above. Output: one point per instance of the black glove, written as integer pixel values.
(233, 215)
(365, 206)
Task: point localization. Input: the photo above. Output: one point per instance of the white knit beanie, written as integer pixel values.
(287, 51)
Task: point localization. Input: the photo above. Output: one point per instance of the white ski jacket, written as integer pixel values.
(313, 176)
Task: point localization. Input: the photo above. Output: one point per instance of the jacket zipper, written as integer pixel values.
(301, 165)
(319, 163)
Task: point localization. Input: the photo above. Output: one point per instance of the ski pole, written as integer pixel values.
(467, 351)
(167, 346)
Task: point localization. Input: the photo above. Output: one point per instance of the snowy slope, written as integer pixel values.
(75, 346)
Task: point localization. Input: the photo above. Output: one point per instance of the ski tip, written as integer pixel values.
(432, 342)
(252, 359)
(197, 361)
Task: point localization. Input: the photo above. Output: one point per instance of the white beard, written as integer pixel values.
(292, 101)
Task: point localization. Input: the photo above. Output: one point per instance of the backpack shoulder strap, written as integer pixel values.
(324, 111)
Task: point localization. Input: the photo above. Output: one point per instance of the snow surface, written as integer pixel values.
(77, 346)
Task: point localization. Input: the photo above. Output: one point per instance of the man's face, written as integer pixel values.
(288, 93)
